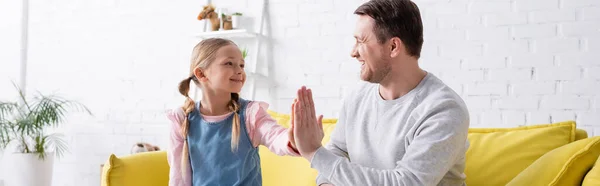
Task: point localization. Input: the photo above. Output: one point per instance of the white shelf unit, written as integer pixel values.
(236, 33)
(245, 33)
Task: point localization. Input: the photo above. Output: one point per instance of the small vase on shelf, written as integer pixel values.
(235, 20)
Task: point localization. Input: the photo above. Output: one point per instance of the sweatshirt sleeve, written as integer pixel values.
(174, 150)
(264, 130)
(443, 128)
(337, 142)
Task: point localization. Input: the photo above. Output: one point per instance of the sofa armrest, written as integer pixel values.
(146, 168)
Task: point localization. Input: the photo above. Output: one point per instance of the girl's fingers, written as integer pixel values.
(320, 121)
(292, 115)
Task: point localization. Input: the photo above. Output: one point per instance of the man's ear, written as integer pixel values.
(200, 74)
(396, 47)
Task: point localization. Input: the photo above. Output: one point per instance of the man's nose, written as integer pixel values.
(354, 52)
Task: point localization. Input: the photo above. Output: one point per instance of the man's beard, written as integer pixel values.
(377, 74)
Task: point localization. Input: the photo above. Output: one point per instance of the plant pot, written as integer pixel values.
(28, 170)
(235, 21)
(227, 25)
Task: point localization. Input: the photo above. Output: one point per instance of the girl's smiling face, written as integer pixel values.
(226, 73)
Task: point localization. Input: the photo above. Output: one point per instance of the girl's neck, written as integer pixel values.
(214, 103)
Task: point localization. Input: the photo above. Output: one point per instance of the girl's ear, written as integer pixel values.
(200, 74)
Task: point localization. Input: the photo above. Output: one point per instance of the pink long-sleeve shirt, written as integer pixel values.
(262, 129)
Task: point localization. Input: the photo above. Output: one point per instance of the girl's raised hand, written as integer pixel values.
(291, 129)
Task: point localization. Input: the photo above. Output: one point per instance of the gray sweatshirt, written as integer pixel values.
(417, 139)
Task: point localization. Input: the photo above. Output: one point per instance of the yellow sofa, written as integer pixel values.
(547, 154)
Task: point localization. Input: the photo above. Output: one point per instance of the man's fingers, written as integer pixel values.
(299, 108)
(299, 96)
(301, 99)
(298, 115)
(304, 106)
(311, 105)
(306, 101)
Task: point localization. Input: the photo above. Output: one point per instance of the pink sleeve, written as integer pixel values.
(174, 150)
(264, 130)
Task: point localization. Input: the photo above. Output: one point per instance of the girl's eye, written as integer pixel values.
(229, 63)
(242, 65)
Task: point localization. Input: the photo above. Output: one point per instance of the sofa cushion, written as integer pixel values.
(593, 176)
(496, 155)
(283, 170)
(141, 169)
(580, 134)
(566, 165)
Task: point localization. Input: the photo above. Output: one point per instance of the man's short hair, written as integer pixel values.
(396, 18)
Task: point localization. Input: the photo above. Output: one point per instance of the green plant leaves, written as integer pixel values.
(6, 109)
(244, 53)
(25, 123)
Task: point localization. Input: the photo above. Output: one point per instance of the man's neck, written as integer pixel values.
(214, 103)
(402, 79)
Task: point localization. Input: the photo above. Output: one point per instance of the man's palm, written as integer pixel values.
(308, 129)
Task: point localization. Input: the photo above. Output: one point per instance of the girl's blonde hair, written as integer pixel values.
(203, 55)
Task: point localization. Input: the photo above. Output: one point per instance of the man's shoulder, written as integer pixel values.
(438, 95)
(436, 89)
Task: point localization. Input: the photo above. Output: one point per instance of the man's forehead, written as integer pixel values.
(364, 26)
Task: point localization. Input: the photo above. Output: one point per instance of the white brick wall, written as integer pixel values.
(9, 53)
(553, 16)
(533, 88)
(517, 62)
(506, 19)
(534, 31)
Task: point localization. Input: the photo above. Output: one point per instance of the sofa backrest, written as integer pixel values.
(278, 170)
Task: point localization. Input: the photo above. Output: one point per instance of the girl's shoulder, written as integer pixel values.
(176, 116)
(254, 107)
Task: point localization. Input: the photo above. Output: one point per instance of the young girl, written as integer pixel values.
(215, 141)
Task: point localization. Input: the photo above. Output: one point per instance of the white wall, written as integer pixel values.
(10, 35)
(514, 62)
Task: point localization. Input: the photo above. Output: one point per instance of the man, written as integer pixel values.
(403, 127)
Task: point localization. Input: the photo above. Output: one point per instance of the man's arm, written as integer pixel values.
(438, 143)
(337, 142)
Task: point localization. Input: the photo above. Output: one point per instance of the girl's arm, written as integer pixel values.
(174, 150)
(264, 130)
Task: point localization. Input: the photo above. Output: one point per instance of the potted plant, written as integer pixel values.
(244, 53)
(227, 25)
(235, 20)
(23, 126)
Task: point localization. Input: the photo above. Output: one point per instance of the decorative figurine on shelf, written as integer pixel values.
(226, 22)
(209, 13)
